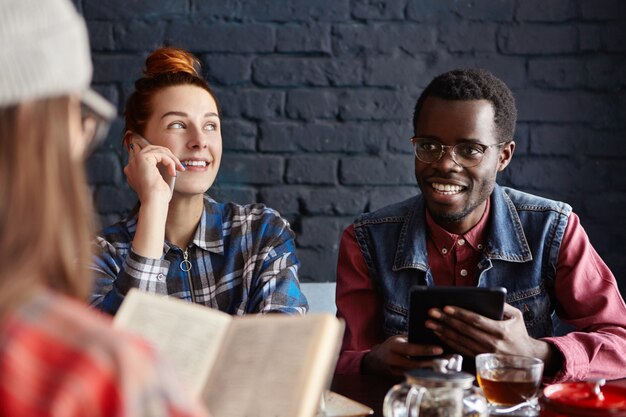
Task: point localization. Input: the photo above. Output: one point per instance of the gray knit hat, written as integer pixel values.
(44, 50)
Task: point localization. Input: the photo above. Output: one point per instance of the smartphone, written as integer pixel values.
(142, 142)
(488, 302)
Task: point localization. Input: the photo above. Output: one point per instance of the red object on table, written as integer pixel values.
(583, 399)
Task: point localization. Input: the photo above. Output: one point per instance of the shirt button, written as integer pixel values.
(444, 251)
(461, 242)
(463, 272)
(160, 277)
(480, 246)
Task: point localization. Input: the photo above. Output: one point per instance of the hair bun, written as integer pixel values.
(171, 60)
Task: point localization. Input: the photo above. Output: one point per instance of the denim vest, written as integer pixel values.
(524, 235)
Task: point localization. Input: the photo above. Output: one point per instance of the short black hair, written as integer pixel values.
(474, 84)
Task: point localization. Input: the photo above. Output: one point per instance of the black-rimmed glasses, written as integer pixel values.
(464, 154)
(96, 116)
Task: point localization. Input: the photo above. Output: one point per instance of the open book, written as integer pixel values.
(336, 405)
(258, 365)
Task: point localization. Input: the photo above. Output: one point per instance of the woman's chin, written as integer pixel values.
(189, 192)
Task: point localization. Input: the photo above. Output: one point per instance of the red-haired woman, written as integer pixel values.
(177, 240)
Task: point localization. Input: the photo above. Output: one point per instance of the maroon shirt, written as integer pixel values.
(453, 259)
(587, 295)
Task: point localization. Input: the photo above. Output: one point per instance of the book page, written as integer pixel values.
(336, 405)
(187, 334)
(274, 365)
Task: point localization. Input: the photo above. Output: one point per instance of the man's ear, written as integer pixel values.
(506, 154)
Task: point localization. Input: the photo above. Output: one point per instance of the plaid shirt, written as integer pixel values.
(242, 260)
(59, 358)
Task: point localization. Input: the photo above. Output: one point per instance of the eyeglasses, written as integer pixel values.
(96, 116)
(465, 154)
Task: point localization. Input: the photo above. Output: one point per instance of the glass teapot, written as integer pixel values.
(438, 389)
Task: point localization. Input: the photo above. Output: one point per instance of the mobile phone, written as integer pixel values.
(488, 302)
(142, 142)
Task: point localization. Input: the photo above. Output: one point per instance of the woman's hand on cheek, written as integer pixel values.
(145, 171)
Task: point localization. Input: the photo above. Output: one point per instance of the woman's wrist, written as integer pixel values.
(150, 233)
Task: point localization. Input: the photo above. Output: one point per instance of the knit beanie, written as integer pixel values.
(44, 50)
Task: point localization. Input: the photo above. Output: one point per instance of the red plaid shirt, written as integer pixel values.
(59, 358)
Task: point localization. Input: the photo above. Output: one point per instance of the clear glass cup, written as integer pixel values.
(510, 383)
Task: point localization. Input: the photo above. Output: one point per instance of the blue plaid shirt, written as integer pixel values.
(242, 260)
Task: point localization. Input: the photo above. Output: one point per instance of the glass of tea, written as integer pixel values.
(510, 383)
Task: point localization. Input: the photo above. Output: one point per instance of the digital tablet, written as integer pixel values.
(488, 302)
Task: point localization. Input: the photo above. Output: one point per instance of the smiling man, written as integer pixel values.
(465, 230)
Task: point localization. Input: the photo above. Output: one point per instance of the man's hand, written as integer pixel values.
(470, 334)
(393, 356)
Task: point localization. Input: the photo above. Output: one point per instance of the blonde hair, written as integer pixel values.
(45, 214)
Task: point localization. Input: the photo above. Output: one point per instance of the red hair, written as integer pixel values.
(165, 67)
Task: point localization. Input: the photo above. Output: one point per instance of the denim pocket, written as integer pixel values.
(536, 310)
(396, 319)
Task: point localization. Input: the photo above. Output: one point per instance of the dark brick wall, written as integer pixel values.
(317, 98)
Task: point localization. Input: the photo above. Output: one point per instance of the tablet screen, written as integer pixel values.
(488, 302)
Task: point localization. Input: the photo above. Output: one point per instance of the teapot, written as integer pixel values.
(438, 389)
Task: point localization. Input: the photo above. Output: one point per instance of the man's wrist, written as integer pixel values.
(553, 361)
(368, 364)
(364, 369)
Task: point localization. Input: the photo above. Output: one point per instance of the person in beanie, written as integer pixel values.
(58, 357)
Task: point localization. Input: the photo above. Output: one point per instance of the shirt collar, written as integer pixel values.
(444, 239)
(500, 227)
(477, 235)
(209, 234)
(439, 236)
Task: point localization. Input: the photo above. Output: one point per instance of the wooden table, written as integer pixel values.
(371, 390)
(366, 389)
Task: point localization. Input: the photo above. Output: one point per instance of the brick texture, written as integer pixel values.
(317, 98)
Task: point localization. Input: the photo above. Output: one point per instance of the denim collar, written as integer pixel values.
(506, 239)
(505, 236)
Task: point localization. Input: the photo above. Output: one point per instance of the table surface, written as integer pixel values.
(371, 390)
(366, 389)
